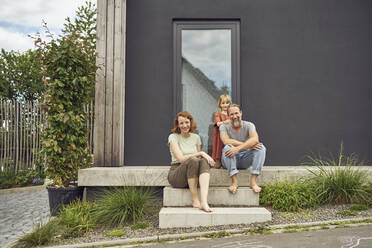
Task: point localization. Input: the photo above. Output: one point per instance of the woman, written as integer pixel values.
(190, 165)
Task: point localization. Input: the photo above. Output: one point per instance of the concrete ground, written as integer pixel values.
(360, 237)
(20, 210)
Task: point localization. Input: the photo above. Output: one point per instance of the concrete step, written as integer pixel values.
(192, 217)
(217, 196)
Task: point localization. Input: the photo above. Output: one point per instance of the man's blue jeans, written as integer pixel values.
(243, 160)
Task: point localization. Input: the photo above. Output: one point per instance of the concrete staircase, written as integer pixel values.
(177, 210)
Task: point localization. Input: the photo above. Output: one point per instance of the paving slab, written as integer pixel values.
(192, 217)
(217, 196)
(20, 211)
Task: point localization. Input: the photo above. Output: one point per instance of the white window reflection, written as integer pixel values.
(205, 75)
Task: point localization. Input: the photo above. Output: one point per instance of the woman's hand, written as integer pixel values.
(209, 159)
(226, 121)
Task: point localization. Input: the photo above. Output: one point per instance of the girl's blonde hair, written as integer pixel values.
(225, 98)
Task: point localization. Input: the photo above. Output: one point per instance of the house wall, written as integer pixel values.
(306, 77)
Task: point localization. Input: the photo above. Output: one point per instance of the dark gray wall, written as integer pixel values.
(306, 76)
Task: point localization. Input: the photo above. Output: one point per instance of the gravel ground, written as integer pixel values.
(323, 213)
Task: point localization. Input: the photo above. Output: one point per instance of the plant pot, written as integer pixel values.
(62, 196)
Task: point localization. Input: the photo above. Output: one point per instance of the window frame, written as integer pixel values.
(178, 26)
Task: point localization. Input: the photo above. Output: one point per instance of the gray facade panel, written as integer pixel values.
(305, 69)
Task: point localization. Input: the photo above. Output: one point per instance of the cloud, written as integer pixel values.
(210, 51)
(13, 40)
(30, 13)
(22, 17)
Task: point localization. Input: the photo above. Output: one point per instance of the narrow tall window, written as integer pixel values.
(206, 66)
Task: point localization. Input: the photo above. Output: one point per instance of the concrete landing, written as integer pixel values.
(157, 175)
(217, 196)
(192, 217)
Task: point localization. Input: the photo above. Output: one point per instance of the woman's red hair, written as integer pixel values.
(187, 115)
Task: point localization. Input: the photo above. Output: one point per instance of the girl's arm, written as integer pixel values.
(179, 154)
(217, 120)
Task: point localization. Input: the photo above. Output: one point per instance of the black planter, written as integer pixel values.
(62, 196)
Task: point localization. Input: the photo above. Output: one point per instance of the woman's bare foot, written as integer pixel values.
(205, 207)
(256, 188)
(232, 189)
(196, 204)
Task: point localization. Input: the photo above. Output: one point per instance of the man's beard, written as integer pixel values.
(236, 122)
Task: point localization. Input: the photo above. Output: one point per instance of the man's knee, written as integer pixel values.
(262, 150)
(225, 148)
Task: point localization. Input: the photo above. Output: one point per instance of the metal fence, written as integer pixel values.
(21, 124)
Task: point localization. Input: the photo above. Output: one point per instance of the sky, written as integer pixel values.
(210, 51)
(19, 18)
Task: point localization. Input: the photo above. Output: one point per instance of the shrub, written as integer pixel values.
(41, 235)
(76, 218)
(369, 194)
(288, 196)
(9, 178)
(120, 205)
(342, 183)
(69, 67)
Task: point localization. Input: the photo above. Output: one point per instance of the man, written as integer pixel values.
(242, 148)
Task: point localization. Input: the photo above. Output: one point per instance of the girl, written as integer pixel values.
(220, 118)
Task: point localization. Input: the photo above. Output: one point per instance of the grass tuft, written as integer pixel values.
(41, 235)
(76, 218)
(344, 183)
(121, 205)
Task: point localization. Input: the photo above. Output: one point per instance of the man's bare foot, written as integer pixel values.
(196, 204)
(256, 188)
(205, 207)
(232, 189)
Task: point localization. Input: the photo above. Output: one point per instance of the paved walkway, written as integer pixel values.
(360, 237)
(20, 211)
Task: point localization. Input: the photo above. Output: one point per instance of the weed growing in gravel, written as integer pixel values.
(347, 213)
(76, 218)
(261, 230)
(343, 183)
(216, 235)
(121, 205)
(116, 233)
(306, 213)
(288, 196)
(358, 208)
(41, 235)
(324, 227)
(140, 225)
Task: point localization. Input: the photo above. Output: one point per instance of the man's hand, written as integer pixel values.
(232, 151)
(257, 146)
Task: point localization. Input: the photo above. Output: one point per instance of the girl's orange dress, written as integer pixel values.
(217, 143)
